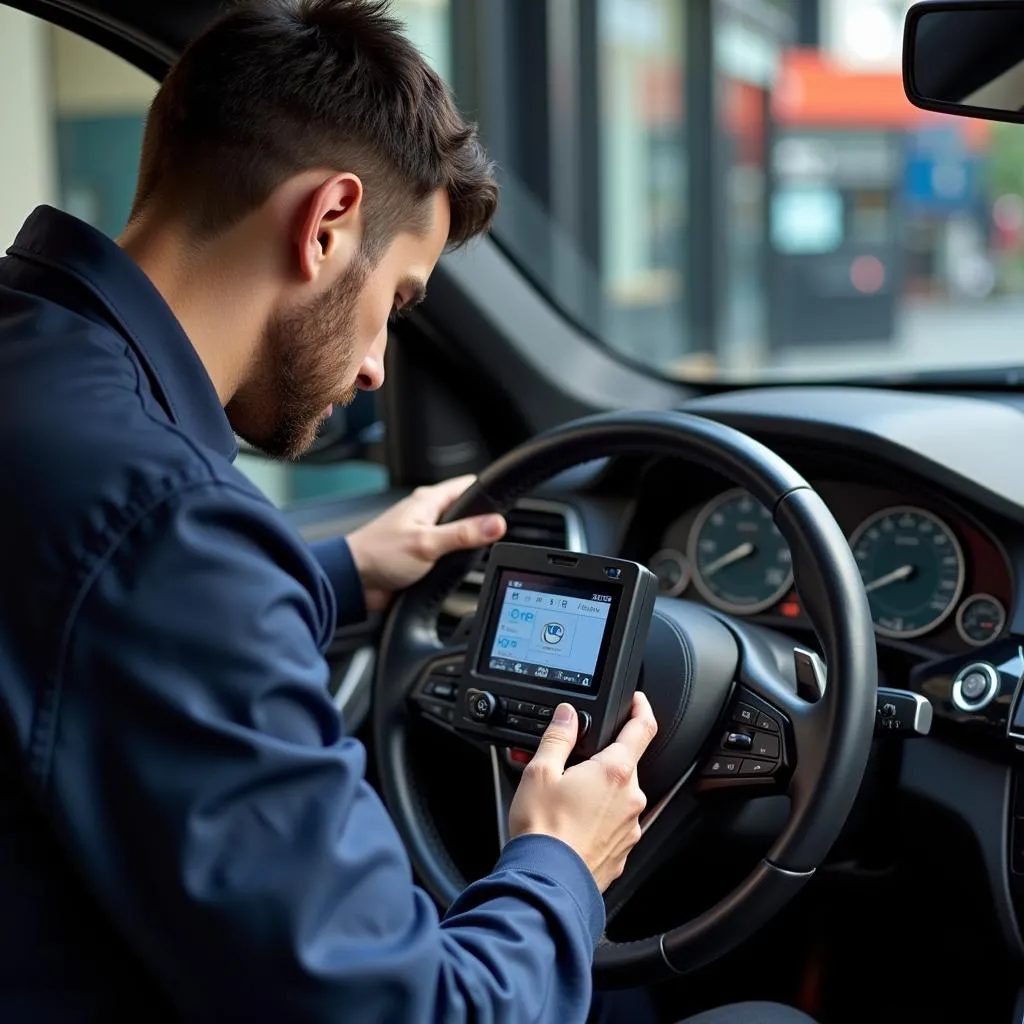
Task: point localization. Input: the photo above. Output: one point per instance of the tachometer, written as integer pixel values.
(741, 562)
(913, 570)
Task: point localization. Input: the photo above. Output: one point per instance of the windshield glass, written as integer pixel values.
(738, 189)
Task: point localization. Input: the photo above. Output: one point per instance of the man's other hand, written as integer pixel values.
(401, 546)
(595, 806)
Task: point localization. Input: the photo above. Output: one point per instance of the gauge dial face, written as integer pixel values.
(741, 562)
(981, 618)
(912, 566)
(673, 571)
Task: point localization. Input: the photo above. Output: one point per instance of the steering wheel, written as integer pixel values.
(703, 672)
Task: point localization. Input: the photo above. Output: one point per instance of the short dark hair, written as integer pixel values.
(274, 88)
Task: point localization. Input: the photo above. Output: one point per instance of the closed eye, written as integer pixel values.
(416, 290)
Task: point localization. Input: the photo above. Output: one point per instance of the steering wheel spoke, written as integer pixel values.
(772, 720)
(504, 775)
(666, 827)
(438, 687)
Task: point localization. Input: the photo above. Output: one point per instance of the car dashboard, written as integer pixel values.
(926, 490)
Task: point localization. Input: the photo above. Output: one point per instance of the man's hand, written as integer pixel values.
(401, 546)
(595, 806)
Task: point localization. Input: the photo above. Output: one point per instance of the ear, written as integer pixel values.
(329, 226)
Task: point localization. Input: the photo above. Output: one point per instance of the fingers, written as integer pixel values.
(634, 738)
(474, 532)
(558, 740)
(440, 497)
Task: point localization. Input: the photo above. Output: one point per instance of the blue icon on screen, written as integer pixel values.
(553, 633)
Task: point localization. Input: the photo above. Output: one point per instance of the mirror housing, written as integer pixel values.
(966, 57)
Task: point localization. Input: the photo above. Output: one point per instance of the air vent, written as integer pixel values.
(540, 524)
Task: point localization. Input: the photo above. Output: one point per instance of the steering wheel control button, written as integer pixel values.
(722, 766)
(766, 724)
(744, 714)
(481, 704)
(438, 710)
(738, 741)
(451, 669)
(441, 689)
(765, 746)
(757, 768)
(975, 687)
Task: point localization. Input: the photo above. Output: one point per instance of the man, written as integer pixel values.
(185, 831)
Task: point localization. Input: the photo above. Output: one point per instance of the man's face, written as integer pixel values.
(317, 356)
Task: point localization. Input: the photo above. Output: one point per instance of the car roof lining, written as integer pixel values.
(148, 35)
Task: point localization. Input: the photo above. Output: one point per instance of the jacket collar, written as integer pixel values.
(135, 307)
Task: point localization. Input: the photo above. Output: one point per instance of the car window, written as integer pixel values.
(739, 189)
(732, 189)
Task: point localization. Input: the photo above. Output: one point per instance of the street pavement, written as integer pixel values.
(930, 335)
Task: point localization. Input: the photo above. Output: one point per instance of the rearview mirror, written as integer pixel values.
(966, 57)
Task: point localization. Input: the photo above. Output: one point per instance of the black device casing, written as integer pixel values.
(609, 704)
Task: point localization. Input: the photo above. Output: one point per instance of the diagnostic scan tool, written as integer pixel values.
(555, 627)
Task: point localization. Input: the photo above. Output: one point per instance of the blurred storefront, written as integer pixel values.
(871, 200)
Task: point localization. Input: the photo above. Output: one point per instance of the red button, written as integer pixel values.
(520, 756)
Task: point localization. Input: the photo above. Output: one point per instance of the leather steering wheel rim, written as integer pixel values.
(830, 585)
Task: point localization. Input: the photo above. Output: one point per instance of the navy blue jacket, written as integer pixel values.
(185, 829)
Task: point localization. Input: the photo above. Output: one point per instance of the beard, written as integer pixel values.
(305, 359)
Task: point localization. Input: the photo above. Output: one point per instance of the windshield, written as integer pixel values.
(739, 189)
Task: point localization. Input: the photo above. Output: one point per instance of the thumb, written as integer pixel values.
(559, 738)
(475, 532)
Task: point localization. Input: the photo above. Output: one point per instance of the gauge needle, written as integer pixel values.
(902, 573)
(736, 555)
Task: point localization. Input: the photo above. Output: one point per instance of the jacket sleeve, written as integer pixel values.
(200, 780)
(335, 558)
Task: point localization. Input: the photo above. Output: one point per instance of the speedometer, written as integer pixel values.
(912, 566)
(741, 562)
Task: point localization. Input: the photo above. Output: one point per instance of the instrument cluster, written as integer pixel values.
(927, 573)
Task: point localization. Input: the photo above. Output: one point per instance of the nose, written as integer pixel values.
(371, 372)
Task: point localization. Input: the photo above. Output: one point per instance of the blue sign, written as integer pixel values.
(940, 173)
